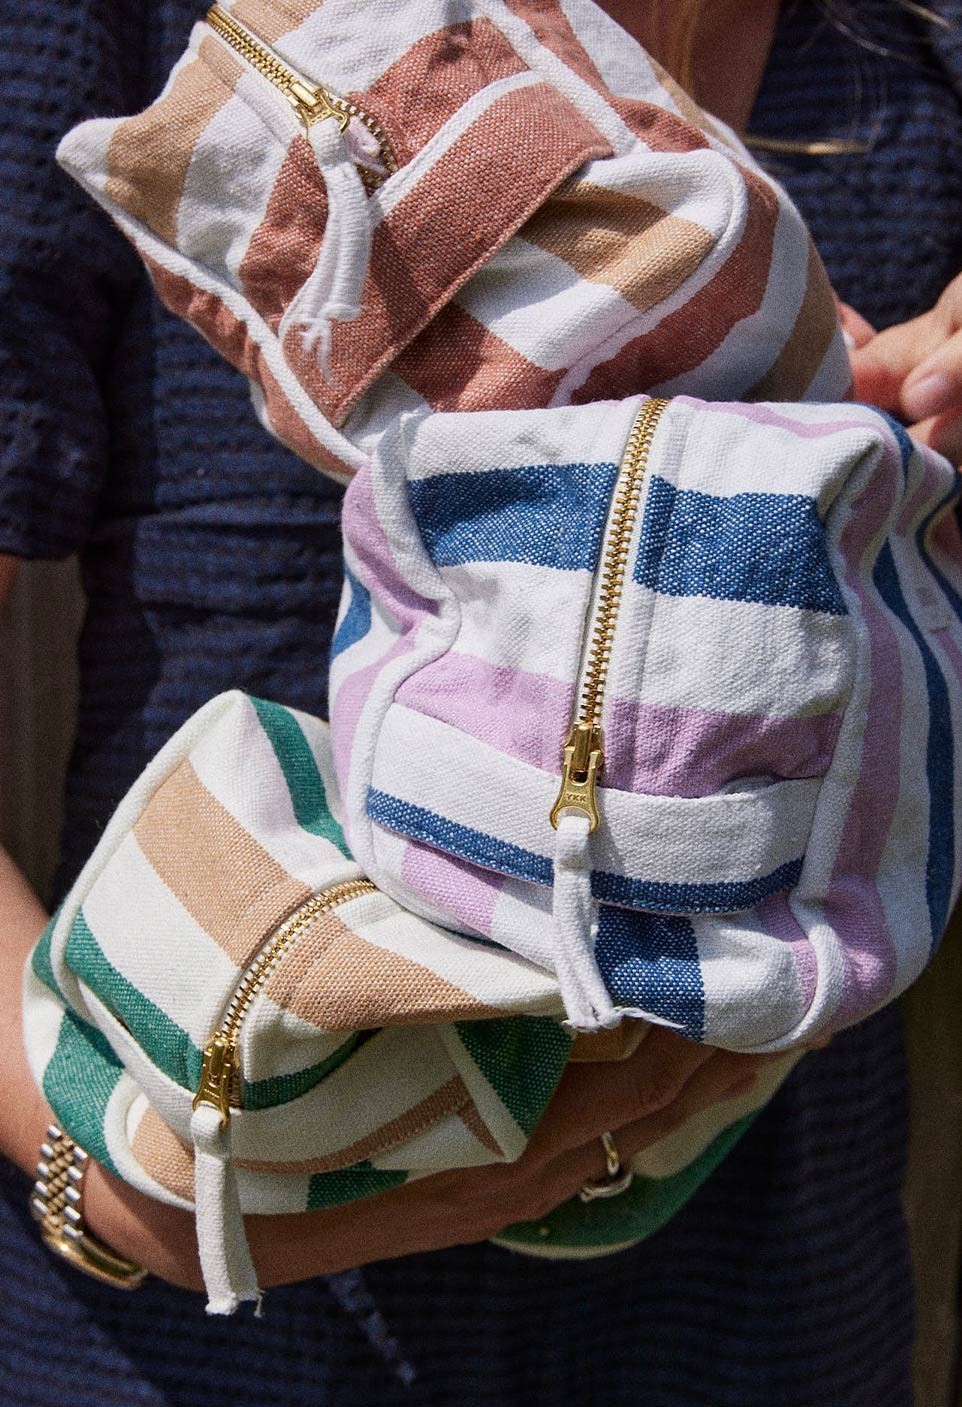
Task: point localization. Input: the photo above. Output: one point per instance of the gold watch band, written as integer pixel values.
(56, 1203)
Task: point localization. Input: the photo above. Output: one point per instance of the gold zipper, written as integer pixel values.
(220, 1067)
(311, 101)
(583, 754)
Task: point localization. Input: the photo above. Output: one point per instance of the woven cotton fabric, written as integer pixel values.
(795, 1245)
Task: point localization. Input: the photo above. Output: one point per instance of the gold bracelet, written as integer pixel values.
(55, 1203)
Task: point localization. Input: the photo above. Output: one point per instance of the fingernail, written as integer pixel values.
(930, 396)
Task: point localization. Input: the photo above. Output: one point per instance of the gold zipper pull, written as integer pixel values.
(312, 104)
(216, 1076)
(583, 760)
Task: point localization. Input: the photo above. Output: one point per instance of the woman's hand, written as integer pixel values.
(914, 370)
(667, 1081)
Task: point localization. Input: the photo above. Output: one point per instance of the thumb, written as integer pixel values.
(882, 365)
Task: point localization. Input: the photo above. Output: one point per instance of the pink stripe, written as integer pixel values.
(468, 894)
(777, 918)
(523, 715)
(349, 703)
(665, 751)
(853, 905)
(925, 496)
(375, 560)
(762, 414)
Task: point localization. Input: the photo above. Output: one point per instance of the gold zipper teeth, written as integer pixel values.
(583, 751)
(220, 1073)
(311, 101)
(615, 561)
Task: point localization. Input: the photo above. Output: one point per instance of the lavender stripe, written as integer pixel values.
(460, 889)
(671, 751)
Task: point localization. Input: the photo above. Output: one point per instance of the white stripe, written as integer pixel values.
(704, 840)
(452, 442)
(43, 1014)
(351, 1103)
(729, 656)
(224, 200)
(148, 936)
(239, 767)
(752, 991)
(448, 1144)
(537, 623)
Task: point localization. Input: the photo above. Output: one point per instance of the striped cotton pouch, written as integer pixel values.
(229, 1016)
(456, 248)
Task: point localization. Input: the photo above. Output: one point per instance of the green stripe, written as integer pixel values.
(280, 1089)
(522, 1058)
(633, 1215)
(165, 1043)
(304, 781)
(40, 960)
(78, 1082)
(332, 1189)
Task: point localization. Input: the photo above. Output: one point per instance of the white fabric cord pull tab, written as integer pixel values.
(333, 289)
(586, 998)
(225, 1257)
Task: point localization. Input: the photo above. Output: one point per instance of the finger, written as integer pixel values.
(856, 329)
(727, 1077)
(593, 1098)
(935, 387)
(942, 433)
(883, 365)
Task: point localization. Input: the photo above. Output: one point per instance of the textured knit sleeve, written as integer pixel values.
(65, 274)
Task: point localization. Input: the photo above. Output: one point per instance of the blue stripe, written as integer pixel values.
(357, 618)
(651, 961)
(939, 765)
(763, 547)
(476, 846)
(722, 897)
(550, 515)
(490, 853)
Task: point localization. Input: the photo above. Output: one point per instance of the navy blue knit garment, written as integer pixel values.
(210, 557)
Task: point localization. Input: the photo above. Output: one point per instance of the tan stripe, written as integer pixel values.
(149, 155)
(229, 336)
(682, 340)
(638, 249)
(338, 982)
(460, 212)
(449, 1099)
(457, 364)
(269, 22)
(224, 879)
(475, 1125)
(793, 371)
(160, 1153)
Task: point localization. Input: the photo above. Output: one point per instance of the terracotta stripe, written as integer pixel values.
(269, 21)
(457, 364)
(339, 982)
(683, 340)
(229, 336)
(793, 371)
(160, 1153)
(462, 210)
(554, 30)
(149, 154)
(224, 879)
(476, 1126)
(283, 249)
(607, 237)
(449, 1099)
(427, 85)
